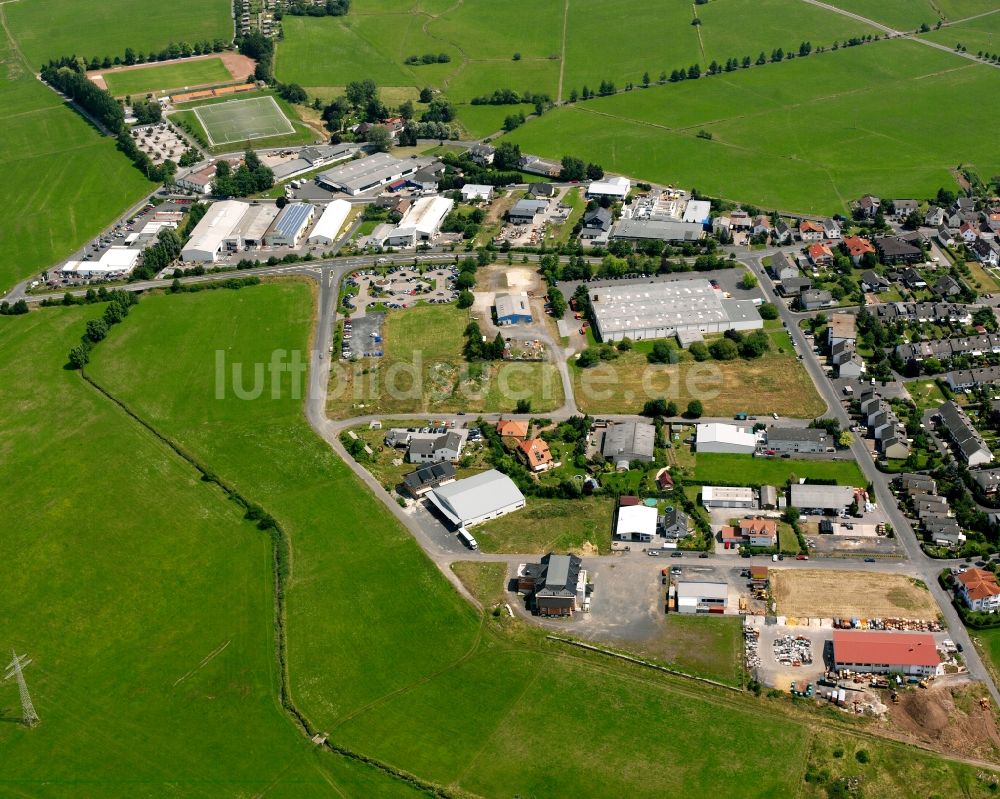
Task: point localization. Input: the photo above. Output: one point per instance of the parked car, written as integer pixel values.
(652, 552)
(801, 557)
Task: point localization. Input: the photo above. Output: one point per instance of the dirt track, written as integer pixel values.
(810, 593)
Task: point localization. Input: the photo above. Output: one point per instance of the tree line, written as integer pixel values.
(331, 8)
(172, 51)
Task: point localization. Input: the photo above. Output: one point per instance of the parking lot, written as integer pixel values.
(401, 287)
(160, 141)
(363, 337)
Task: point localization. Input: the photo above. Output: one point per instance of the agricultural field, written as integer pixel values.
(582, 526)
(805, 141)
(439, 651)
(718, 468)
(775, 382)
(903, 15)
(47, 29)
(980, 34)
(184, 74)
(812, 593)
(423, 371)
(148, 618)
(63, 182)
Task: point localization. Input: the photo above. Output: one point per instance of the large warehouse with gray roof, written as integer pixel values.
(660, 309)
(365, 174)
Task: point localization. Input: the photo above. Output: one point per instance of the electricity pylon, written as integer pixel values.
(16, 669)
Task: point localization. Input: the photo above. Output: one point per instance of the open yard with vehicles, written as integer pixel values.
(811, 593)
(423, 370)
(719, 468)
(836, 144)
(775, 382)
(63, 181)
(160, 77)
(47, 29)
(582, 526)
(507, 692)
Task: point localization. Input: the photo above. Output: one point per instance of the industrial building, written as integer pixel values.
(249, 233)
(512, 309)
(557, 586)
(821, 498)
(366, 174)
(799, 439)
(635, 522)
(208, 239)
(421, 222)
(660, 309)
(330, 223)
(290, 226)
(657, 230)
(728, 497)
(525, 211)
(616, 188)
(701, 597)
(698, 212)
(717, 437)
(629, 441)
(878, 652)
(115, 262)
(476, 499)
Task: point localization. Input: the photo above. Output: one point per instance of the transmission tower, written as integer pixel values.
(16, 669)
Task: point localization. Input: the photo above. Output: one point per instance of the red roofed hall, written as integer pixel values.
(875, 652)
(979, 590)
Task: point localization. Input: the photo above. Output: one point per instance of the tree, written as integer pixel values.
(360, 92)
(426, 95)
(755, 344)
(660, 353)
(572, 169)
(694, 409)
(79, 356)
(724, 349)
(645, 80)
(594, 172)
(588, 358)
(293, 93)
(790, 515)
(574, 95)
(655, 407)
(281, 202)
(507, 156)
(768, 311)
(749, 281)
(517, 56)
(672, 409)
(845, 439)
(97, 329)
(380, 138)
(465, 298)
(699, 351)
(523, 406)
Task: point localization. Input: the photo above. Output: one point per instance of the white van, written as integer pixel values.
(466, 538)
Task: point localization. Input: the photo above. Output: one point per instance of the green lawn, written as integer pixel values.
(179, 75)
(719, 468)
(704, 646)
(925, 394)
(546, 525)
(434, 377)
(48, 29)
(808, 134)
(775, 382)
(63, 181)
(302, 135)
(378, 642)
(144, 601)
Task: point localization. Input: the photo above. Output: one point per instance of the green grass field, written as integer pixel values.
(47, 29)
(718, 468)
(423, 371)
(776, 382)
(143, 599)
(63, 181)
(698, 645)
(378, 642)
(167, 76)
(242, 120)
(808, 134)
(982, 34)
(546, 525)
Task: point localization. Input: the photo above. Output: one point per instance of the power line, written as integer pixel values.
(16, 669)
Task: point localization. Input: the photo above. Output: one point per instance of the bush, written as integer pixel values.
(694, 409)
(699, 351)
(862, 756)
(768, 311)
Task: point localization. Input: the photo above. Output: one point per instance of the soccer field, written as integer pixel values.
(241, 120)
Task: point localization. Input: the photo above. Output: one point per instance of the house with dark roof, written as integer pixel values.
(782, 233)
(988, 480)
(596, 224)
(946, 286)
(798, 439)
(873, 282)
(483, 154)
(831, 228)
(445, 447)
(912, 279)
(934, 217)
(420, 481)
(894, 250)
(869, 205)
(556, 586)
(986, 252)
(794, 286)
(903, 208)
(815, 299)
(541, 191)
(969, 444)
(627, 442)
(783, 267)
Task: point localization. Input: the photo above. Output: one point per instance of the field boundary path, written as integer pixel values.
(562, 53)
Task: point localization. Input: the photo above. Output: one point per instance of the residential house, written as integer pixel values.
(782, 233)
(596, 224)
(873, 282)
(420, 481)
(761, 226)
(944, 236)
(673, 524)
(978, 589)
(831, 228)
(810, 231)
(445, 447)
(483, 154)
(857, 248)
(739, 220)
(783, 267)
(820, 254)
(894, 250)
(903, 208)
(968, 232)
(536, 454)
(512, 428)
(853, 367)
(986, 252)
(946, 286)
(959, 429)
(912, 279)
(556, 586)
(842, 327)
(815, 299)
(794, 286)
(911, 312)
(541, 191)
(474, 192)
(988, 480)
(869, 206)
(968, 379)
(934, 217)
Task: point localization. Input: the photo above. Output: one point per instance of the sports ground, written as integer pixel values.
(160, 77)
(243, 120)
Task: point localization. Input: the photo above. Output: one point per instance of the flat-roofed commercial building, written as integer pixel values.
(657, 230)
(727, 497)
(821, 498)
(699, 597)
(330, 223)
(366, 174)
(249, 233)
(421, 222)
(291, 225)
(208, 239)
(660, 309)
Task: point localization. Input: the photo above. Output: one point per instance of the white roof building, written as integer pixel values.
(211, 232)
(699, 597)
(330, 222)
(727, 497)
(617, 187)
(115, 262)
(636, 523)
(476, 499)
(698, 211)
(717, 437)
(475, 191)
(421, 222)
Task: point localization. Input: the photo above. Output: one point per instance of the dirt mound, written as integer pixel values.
(949, 718)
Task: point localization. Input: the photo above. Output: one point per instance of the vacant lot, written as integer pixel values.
(748, 470)
(820, 130)
(423, 370)
(63, 181)
(545, 525)
(47, 29)
(776, 382)
(197, 72)
(803, 593)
